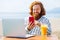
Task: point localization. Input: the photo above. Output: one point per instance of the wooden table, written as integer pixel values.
(53, 37)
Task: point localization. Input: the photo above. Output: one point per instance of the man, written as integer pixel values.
(37, 11)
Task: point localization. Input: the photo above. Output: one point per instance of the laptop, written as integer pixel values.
(14, 28)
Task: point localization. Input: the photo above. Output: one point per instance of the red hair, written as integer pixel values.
(37, 3)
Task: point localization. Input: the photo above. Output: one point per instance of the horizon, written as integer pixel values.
(23, 15)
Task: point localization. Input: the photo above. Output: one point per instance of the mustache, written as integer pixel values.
(36, 12)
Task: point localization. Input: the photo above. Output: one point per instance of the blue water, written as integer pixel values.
(25, 14)
(53, 15)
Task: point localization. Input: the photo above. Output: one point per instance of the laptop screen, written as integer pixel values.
(13, 26)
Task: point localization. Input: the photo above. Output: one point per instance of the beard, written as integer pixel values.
(36, 17)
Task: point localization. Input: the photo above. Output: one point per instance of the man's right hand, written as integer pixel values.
(30, 26)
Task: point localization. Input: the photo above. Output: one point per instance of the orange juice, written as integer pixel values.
(43, 29)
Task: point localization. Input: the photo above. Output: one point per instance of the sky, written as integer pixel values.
(23, 5)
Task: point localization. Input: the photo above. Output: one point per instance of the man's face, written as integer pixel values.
(36, 10)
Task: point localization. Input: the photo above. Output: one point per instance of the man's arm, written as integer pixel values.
(49, 26)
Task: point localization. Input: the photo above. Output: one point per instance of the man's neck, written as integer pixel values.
(37, 18)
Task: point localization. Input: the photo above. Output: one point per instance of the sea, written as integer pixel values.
(25, 14)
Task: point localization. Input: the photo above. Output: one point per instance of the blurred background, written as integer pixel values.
(20, 9)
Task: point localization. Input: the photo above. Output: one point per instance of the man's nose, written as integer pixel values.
(35, 11)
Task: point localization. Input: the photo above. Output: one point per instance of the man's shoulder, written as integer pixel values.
(44, 18)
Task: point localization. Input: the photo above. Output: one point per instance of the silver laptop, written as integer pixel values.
(14, 28)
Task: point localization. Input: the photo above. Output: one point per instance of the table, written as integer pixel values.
(52, 37)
